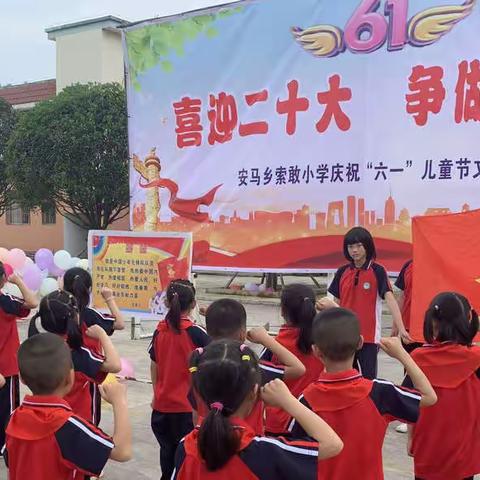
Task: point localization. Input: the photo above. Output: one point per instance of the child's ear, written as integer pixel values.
(360, 343)
(69, 381)
(242, 335)
(317, 352)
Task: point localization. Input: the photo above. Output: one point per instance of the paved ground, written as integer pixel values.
(146, 453)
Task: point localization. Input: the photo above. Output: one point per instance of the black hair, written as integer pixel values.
(298, 307)
(363, 236)
(448, 320)
(58, 314)
(225, 318)
(78, 282)
(3, 274)
(181, 298)
(44, 361)
(336, 333)
(224, 374)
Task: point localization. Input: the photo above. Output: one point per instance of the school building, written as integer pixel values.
(86, 51)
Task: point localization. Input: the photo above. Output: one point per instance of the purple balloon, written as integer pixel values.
(32, 276)
(55, 271)
(44, 258)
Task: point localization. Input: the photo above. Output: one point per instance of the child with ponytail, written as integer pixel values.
(78, 282)
(58, 314)
(445, 442)
(172, 344)
(226, 375)
(298, 309)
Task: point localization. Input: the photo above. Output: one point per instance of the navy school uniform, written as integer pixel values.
(259, 458)
(11, 308)
(359, 410)
(88, 317)
(172, 411)
(362, 291)
(87, 365)
(46, 441)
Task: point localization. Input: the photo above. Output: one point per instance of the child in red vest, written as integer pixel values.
(11, 309)
(227, 378)
(173, 342)
(45, 439)
(58, 314)
(227, 319)
(298, 309)
(360, 286)
(445, 442)
(358, 409)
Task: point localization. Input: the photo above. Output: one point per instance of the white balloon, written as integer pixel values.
(48, 285)
(74, 262)
(62, 259)
(83, 263)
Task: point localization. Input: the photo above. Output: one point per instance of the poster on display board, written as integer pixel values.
(269, 128)
(138, 267)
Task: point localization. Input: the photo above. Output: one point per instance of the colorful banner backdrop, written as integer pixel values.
(268, 128)
(138, 267)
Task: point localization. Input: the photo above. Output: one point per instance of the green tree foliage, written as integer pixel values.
(7, 124)
(154, 44)
(72, 151)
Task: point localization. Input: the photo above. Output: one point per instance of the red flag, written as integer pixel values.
(446, 258)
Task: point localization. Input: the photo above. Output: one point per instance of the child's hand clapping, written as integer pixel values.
(107, 293)
(113, 392)
(393, 347)
(277, 394)
(325, 303)
(96, 332)
(258, 335)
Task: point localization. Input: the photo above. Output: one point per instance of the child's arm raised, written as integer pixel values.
(397, 317)
(109, 298)
(393, 347)
(277, 394)
(116, 395)
(112, 363)
(294, 368)
(29, 298)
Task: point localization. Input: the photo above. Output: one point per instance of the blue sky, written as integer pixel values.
(27, 55)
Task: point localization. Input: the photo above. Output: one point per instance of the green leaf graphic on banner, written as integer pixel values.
(154, 44)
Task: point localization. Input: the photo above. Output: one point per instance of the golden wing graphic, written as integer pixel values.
(429, 26)
(320, 40)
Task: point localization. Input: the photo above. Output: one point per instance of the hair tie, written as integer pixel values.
(199, 350)
(436, 308)
(306, 299)
(192, 369)
(243, 347)
(216, 406)
(246, 357)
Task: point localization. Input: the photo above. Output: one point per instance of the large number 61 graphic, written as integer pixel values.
(368, 29)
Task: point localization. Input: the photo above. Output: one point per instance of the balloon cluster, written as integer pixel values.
(43, 274)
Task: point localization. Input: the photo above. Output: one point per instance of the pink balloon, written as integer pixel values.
(32, 276)
(3, 254)
(8, 270)
(16, 258)
(127, 370)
